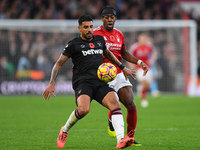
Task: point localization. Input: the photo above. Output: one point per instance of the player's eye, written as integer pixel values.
(85, 27)
(112, 17)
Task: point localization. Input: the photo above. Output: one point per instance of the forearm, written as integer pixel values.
(130, 58)
(110, 56)
(54, 73)
(56, 68)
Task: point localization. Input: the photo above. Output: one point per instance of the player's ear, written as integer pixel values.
(102, 18)
(79, 28)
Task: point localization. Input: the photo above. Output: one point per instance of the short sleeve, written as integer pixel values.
(104, 43)
(68, 49)
(123, 41)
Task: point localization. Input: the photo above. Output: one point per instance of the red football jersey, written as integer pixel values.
(142, 52)
(114, 42)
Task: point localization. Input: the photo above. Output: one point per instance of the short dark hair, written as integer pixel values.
(83, 18)
(108, 10)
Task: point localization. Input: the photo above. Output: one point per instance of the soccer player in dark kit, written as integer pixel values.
(86, 53)
(115, 42)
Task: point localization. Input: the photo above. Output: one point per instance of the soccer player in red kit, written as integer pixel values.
(115, 43)
(145, 51)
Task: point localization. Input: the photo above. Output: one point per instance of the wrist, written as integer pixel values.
(52, 83)
(139, 62)
(121, 67)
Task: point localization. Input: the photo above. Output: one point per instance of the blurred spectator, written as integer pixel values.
(72, 9)
(27, 58)
(6, 69)
(145, 51)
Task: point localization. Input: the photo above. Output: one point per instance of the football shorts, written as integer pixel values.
(94, 91)
(119, 82)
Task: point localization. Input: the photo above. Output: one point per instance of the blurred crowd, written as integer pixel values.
(33, 47)
(72, 9)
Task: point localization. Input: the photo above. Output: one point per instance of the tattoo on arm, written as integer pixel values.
(56, 70)
(110, 56)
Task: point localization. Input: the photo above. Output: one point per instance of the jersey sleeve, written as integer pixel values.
(103, 42)
(123, 41)
(68, 49)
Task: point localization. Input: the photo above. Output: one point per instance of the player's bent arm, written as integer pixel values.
(54, 73)
(128, 57)
(133, 60)
(110, 56)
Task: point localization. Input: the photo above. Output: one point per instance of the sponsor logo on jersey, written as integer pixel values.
(113, 46)
(92, 52)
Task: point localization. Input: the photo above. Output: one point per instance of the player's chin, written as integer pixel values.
(109, 27)
(88, 37)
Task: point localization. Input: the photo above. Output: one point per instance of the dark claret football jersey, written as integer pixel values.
(86, 56)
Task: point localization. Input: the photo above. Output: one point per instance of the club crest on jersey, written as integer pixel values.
(99, 44)
(118, 38)
(91, 45)
(112, 38)
(82, 46)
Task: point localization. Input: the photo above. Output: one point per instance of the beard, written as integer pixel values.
(87, 37)
(109, 28)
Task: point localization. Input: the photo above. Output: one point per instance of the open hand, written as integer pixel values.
(50, 89)
(131, 72)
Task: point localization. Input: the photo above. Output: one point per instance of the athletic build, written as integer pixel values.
(86, 53)
(115, 43)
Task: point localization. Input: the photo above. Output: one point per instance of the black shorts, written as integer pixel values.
(94, 91)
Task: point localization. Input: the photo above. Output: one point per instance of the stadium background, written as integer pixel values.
(27, 58)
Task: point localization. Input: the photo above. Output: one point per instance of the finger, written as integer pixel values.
(45, 97)
(145, 72)
(133, 77)
(49, 94)
(133, 73)
(54, 94)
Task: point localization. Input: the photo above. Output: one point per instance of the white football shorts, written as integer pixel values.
(119, 82)
(148, 77)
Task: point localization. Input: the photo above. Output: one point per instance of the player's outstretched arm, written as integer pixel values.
(110, 56)
(54, 73)
(132, 59)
